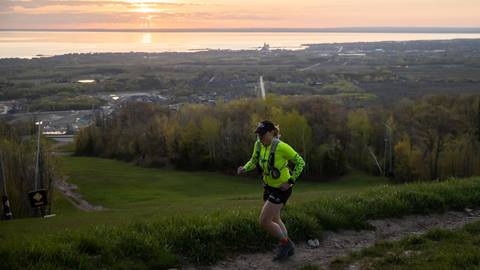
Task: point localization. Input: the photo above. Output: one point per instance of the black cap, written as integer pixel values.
(264, 127)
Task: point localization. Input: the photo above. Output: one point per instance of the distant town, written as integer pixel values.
(76, 87)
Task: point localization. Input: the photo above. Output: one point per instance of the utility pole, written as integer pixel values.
(37, 165)
(38, 198)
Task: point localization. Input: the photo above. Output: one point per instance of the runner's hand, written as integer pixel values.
(240, 170)
(285, 186)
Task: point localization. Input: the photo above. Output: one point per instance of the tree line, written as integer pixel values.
(434, 137)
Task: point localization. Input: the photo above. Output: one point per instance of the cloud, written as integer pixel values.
(160, 19)
(238, 13)
(45, 3)
(117, 13)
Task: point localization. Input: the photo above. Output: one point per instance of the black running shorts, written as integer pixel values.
(276, 195)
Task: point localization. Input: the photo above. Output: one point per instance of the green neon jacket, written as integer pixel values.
(283, 154)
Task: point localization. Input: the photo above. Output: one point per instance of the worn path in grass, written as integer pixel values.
(69, 191)
(342, 243)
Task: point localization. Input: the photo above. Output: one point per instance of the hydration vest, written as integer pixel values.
(272, 171)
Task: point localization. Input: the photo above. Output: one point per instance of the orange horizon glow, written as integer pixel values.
(131, 14)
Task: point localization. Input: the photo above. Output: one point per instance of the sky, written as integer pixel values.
(137, 14)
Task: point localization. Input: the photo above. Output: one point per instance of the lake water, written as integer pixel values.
(31, 44)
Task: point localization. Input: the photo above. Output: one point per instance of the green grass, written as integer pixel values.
(342, 86)
(67, 147)
(133, 193)
(161, 218)
(121, 186)
(437, 249)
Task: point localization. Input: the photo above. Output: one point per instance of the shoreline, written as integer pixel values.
(300, 47)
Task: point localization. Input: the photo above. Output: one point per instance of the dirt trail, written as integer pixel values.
(336, 244)
(69, 191)
(56, 151)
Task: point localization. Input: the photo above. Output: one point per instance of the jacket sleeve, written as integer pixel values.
(252, 163)
(291, 155)
(299, 165)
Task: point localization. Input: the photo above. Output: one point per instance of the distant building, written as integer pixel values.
(10, 106)
(55, 132)
(265, 48)
(4, 109)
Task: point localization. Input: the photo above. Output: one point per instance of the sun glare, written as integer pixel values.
(142, 8)
(150, 1)
(147, 38)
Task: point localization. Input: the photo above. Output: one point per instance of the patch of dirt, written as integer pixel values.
(342, 243)
(70, 192)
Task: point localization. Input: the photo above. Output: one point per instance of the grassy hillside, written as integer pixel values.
(124, 187)
(132, 194)
(208, 236)
(158, 219)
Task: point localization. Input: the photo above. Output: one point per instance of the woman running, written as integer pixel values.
(272, 156)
